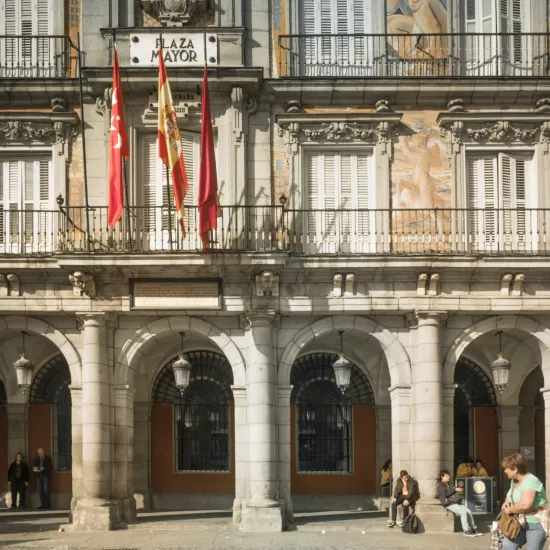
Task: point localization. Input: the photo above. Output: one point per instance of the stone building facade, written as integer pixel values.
(383, 179)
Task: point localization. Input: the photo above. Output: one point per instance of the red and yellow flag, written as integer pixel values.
(169, 141)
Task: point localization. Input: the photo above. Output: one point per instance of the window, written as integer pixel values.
(338, 195)
(154, 200)
(26, 216)
(51, 386)
(498, 196)
(489, 53)
(202, 441)
(26, 20)
(348, 52)
(325, 416)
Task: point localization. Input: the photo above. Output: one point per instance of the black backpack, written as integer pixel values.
(411, 524)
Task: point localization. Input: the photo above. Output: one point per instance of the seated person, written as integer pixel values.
(386, 473)
(465, 468)
(451, 498)
(478, 470)
(406, 492)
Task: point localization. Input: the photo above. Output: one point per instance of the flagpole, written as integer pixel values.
(83, 127)
(169, 209)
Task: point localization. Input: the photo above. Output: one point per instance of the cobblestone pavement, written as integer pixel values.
(213, 530)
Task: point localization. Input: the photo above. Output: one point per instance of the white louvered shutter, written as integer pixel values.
(149, 183)
(44, 196)
(43, 28)
(312, 197)
(326, 27)
(348, 194)
(475, 217)
(327, 195)
(482, 199)
(190, 145)
(363, 203)
(308, 28)
(14, 198)
(513, 198)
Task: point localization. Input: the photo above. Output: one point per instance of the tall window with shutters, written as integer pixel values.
(493, 52)
(24, 53)
(339, 193)
(500, 200)
(335, 41)
(151, 190)
(26, 213)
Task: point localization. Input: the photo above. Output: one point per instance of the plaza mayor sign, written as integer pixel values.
(178, 49)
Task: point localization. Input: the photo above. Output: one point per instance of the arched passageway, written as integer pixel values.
(49, 426)
(4, 458)
(192, 436)
(333, 435)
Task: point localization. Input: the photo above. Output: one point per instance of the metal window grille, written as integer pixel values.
(51, 386)
(202, 414)
(324, 415)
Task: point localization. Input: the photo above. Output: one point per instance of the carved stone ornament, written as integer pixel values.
(83, 284)
(339, 131)
(456, 106)
(293, 106)
(503, 131)
(350, 284)
(433, 285)
(59, 105)
(543, 105)
(337, 285)
(517, 284)
(14, 284)
(421, 284)
(267, 283)
(3, 286)
(173, 13)
(505, 284)
(383, 106)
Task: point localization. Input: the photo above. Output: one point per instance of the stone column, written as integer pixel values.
(142, 455)
(262, 512)
(16, 416)
(124, 452)
(96, 510)
(546, 396)
(241, 452)
(283, 432)
(383, 439)
(447, 439)
(509, 436)
(400, 428)
(76, 434)
(427, 387)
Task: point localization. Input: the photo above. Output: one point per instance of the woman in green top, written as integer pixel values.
(526, 496)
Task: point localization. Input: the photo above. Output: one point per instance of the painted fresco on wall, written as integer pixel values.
(417, 17)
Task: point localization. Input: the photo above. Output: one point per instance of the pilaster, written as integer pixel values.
(241, 452)
(76, 434)
(546, 395)
(283, 432)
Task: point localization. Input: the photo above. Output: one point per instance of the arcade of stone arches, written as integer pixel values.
(185, 450)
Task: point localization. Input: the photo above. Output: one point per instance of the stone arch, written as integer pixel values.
(396, 357)
(17, 323)
(133, 349)
(494, 323)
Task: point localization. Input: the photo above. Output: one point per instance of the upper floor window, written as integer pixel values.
(501, 200)
(339, 192)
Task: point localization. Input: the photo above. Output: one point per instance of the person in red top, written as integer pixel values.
(406, 493)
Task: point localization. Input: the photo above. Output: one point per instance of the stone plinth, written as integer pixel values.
(93, 514)
(434, 517)
(263, 518)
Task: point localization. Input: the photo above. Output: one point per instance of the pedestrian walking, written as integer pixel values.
(43, 466)
(525, 499)
(18, 476)
(451, 498)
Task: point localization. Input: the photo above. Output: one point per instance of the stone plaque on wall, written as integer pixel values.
(176, 293)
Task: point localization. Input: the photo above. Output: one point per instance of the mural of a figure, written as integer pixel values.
(417, 17)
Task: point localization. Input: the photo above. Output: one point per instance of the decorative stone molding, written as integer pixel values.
(3, 286)
(59, 105)
(293, 106)
(237, 104)
(337, 285)
(174, 13)
(267, 283)
(187, 106)
(14, 284)
(543, 105)
(514, 127)
(28, 127)
(517, 285)
(421, 284)
(383, 106)
(350, 284)
(83, 284)
(433, 285)
(456, 106)
(319, 129)
(505, 284)
(252, 104)
(103, 104)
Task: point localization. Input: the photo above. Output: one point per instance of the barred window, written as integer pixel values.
(202, 415)
(51, 386)
(324, 415)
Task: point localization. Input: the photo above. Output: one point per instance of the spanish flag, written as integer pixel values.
(169, 142)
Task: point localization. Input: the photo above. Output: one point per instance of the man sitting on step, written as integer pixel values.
(406, 493)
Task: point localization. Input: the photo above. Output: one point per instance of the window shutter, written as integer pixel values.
(312, 195)
(344, 20)
(347, 175)
(43, 29)
(149, 181)
(489, 197)
(328, 193)
(190, 145)
(44, 198)
(326, 27)
(521, 196)
(309, 27)
(363, 195)
(507, 198)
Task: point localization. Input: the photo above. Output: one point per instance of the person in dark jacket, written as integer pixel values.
(43, 466)
(451, 498)
(406, 493)
(18, 476)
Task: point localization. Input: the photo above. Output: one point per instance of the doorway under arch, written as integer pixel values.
(475, 416)
(49, 426)
(4, 458)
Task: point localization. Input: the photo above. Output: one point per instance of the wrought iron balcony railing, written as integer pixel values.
(414, 55)
(37, 57)
(275, 228)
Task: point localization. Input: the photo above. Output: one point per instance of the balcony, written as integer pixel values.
(413, 56)
(426, 232)
(45, 57)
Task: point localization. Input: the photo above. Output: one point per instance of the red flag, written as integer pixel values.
(208, 181)
(169, 141)
(119, 149)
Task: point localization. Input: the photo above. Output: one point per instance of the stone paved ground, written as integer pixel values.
(213, 530)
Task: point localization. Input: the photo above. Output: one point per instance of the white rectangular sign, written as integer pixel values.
(179, 49)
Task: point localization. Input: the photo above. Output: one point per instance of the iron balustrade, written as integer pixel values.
(52, 56)
(414, 55)
(272, 228)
